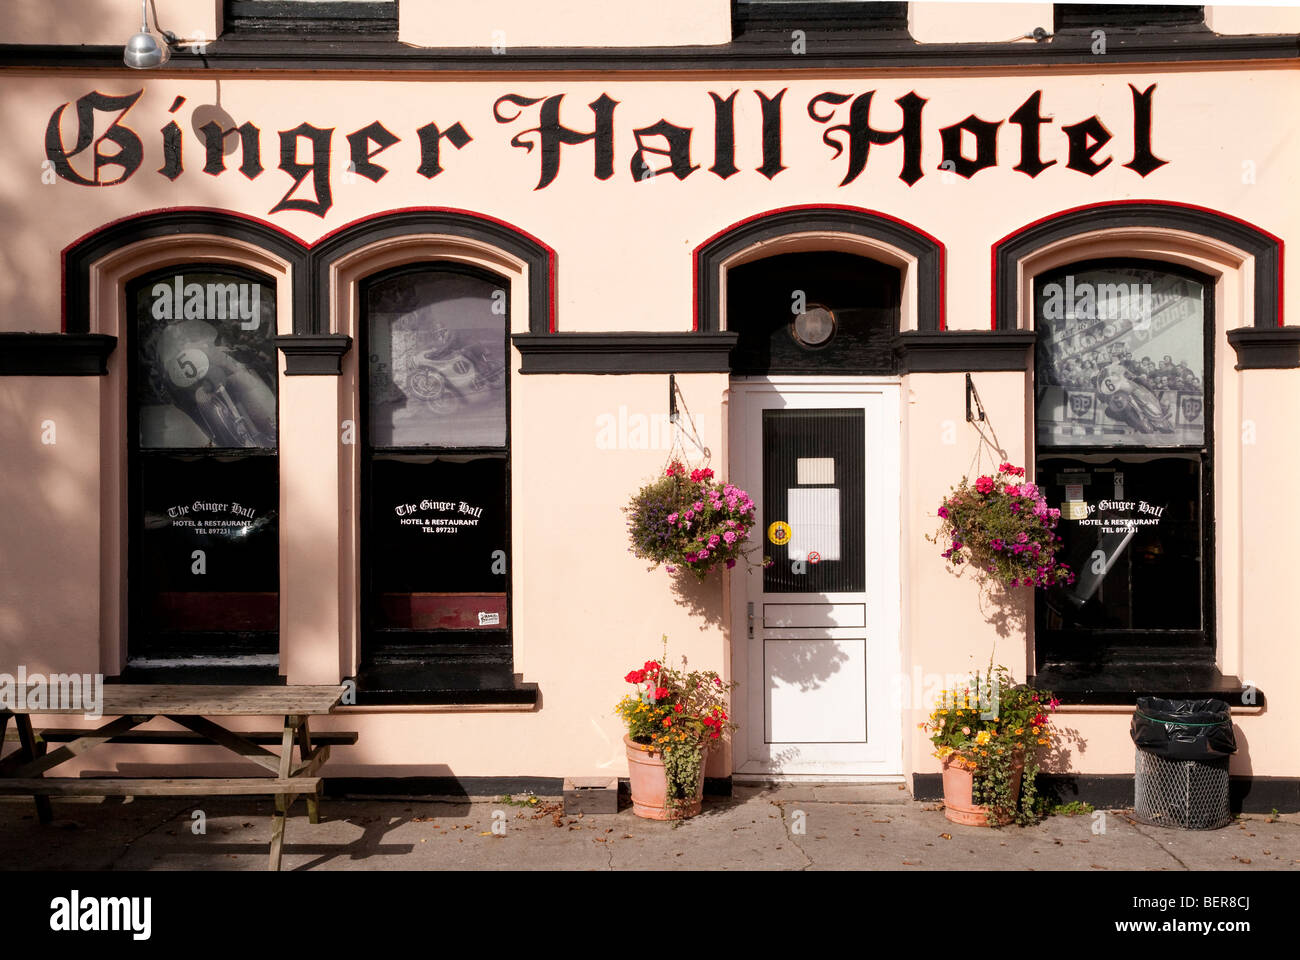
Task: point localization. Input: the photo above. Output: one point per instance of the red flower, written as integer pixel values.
(679, 708)
(714, 735)
(668, 722)
(984, 484)
(636, 676)
(661, 692)
(709, 721)
(651, 667)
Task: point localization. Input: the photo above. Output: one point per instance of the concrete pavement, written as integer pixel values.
(774, 828)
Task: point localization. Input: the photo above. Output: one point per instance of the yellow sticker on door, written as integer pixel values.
(779, 533)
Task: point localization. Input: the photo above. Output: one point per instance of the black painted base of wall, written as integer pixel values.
(1115, 791)
(466, 787)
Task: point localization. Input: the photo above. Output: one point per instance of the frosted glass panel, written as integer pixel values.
(814, 522)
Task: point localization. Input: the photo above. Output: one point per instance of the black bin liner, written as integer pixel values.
(1183, 729)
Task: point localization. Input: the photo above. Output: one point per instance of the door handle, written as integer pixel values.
(751, 620)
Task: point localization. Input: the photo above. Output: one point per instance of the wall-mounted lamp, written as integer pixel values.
(144, 51)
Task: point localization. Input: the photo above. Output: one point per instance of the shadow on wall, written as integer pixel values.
(85, 21)
(701, 598)
(48, 541)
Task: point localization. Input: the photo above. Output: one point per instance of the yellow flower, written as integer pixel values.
(1020, 731)
(982, 737)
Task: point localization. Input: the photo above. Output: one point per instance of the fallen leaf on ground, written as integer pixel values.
(946, 836)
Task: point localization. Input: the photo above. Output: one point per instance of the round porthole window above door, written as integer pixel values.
(813, 328)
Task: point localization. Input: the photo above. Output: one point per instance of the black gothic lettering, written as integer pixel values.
(360, 142)
(130, 152)
(1144, 161)
(724, 135)
(319, 168)
(862, 135)
(1086, 138)
(986, 146)
(553, 135)
(1029, 119)
(173, 164)
(678, 152)
(771, 108)
(430, 138)
(250, 148)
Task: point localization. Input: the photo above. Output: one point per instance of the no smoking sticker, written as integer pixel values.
(814, 556)
(779, 533)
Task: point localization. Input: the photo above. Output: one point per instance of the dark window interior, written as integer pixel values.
(816, 312)
(436, 481)
(1124, 451)
(372, 19)
(775, 19)
(203, 577)
(835, 439)
(1125, 16)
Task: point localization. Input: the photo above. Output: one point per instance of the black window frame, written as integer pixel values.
(375, 19)
(427, 670)
(773, 20)
(217, 644)
(1086, 17)
(1200, 654)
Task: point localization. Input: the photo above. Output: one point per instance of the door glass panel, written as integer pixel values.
(439, 529)
(204, 575)
(814, 482)
(205, 361)
(1121, 358)
(437, 361)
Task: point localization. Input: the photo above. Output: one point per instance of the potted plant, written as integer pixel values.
(689, 521)
(1002, 526)
(674, 718)
(989, 734)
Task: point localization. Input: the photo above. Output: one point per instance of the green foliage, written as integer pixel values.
(682, 714)
(689, 522)
(1004, 528)
(1075, 808)
(996, 728)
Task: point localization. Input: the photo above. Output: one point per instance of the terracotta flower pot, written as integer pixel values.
(649, 779)
(958, 787)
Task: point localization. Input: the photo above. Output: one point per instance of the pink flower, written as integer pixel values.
(729, 537)
(730, 564)
(713, 540)
(943, 513)
(672, 518)
(984, 484)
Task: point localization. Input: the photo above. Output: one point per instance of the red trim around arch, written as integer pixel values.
(695, 254)
(993, 271)
(294, 238)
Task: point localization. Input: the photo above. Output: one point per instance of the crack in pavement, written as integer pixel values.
(1137, 828)
(780, 805)
(175, 812)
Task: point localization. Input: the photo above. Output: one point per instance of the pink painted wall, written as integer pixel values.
(585, 611)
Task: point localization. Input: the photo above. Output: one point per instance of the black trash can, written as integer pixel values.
(1181, 767)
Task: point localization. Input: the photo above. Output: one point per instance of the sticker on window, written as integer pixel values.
(489, 619)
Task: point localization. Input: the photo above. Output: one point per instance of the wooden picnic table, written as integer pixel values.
(190, 706)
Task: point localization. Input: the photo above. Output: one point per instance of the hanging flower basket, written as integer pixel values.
(689, 521)
(1003, 528)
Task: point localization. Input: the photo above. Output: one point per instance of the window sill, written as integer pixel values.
(416, 685)
(1122, 684)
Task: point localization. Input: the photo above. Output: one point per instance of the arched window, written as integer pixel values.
(202, 444)
(1123, 421)
(435, 480)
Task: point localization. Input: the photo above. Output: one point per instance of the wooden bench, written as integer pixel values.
(189, 706)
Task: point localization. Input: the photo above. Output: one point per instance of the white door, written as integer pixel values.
(815, 637)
